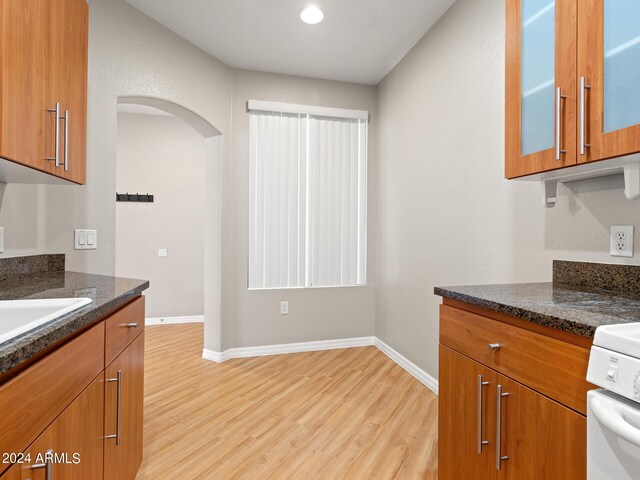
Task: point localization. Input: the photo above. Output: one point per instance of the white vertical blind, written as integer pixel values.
(308, 200)
(277, 198)
(337, 201)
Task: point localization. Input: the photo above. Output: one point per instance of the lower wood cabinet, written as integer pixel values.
(95, 432)
(465, 420)
(71, 448)
(33, 399)
(493, 426)
(540, 438)
(123, 413)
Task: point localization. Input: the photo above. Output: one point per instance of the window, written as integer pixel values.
(308, 196)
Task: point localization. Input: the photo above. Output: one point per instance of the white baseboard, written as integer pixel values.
(422, 376)
(172, 320)
(214, 356)
(426, 379)
(263, 350)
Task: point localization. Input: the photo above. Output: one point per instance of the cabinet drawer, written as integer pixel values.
(552, 367)
(122, 328)
(33, 399)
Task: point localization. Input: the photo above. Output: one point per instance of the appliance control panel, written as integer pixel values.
(615, 372)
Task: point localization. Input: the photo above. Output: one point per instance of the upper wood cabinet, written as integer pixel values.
(609, 78)
(43, 85)
(572, 83)
(540, 85)
(68, 84)
(23, 109)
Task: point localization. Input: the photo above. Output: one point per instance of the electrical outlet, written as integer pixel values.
(621, 241)
(284, 308)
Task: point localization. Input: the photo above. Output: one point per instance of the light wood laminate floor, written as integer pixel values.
(337, 414)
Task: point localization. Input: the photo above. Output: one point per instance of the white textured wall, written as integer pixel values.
(22, 213)
(446, 216)
(129, 55)
(165, 157)
(253, 317)
(439, 210)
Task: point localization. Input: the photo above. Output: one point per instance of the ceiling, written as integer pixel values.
(359, 40)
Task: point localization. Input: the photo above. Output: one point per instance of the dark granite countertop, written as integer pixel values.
(560, 306)
(582, 297)
(108, 294)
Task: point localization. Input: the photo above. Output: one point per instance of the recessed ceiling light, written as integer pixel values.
(311, 14)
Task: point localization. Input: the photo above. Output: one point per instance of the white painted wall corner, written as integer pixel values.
(426, 379)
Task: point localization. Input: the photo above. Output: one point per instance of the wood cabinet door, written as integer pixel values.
(541, 439)
(608, 60)
(72, 446)
(67, 85)
(541, 86)
(466, 418)
(24, 71)
(14, 473)
(123, 413)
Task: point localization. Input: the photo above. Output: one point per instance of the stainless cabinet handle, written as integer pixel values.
(584, 86)
(47, 465)
(499, 456)
(559, 98)
(494, 346)
(481, 442)
(131, 325)
(66, 140)
(57, 112)
(118, 406)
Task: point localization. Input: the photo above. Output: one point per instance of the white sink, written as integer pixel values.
(20, 316)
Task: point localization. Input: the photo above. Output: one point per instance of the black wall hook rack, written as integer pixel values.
(134, 197)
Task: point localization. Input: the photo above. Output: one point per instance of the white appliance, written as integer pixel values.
(613, 412)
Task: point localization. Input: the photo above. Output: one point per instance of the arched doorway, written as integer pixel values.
(212, 208)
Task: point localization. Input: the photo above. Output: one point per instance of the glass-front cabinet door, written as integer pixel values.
(609, 78)
(541, 85)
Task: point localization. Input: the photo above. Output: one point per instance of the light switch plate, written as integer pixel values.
(85, 239)
(162, 252)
